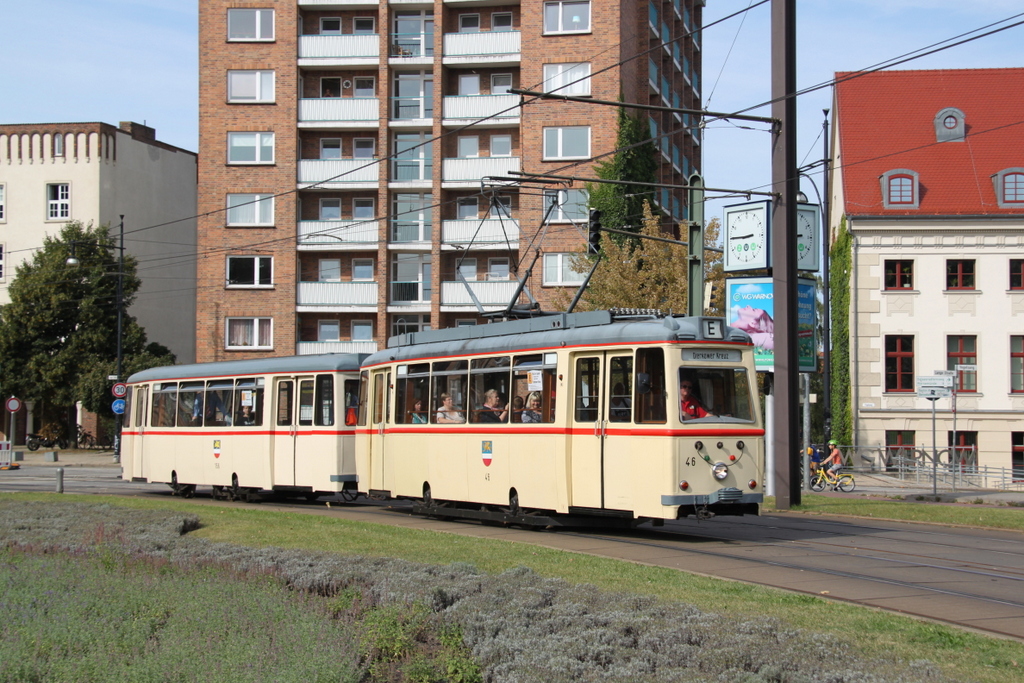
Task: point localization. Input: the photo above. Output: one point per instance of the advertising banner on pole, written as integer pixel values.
(751, 303)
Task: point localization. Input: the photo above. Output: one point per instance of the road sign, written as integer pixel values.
(934, 392)
(13, 404)
(945, 373)
(119, 390)
(118, 406)
(934, 381)
(967, 368)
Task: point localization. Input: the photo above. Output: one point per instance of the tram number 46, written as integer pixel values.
(690, 462)
(487, 476)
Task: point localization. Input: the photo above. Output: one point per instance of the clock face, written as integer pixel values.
(807, 232)
(746, 238)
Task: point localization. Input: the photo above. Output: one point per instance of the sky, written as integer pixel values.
(119, 60)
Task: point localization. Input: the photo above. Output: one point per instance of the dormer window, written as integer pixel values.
(949, 125)
(1009, 187)
(900, 189)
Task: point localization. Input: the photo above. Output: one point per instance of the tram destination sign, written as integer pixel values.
(712, 355)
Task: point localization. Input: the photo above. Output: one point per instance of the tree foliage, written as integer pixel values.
(58, 336)
(839, 296)
(622, 206)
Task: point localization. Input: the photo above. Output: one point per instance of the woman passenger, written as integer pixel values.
(532, 412)
(447, 414)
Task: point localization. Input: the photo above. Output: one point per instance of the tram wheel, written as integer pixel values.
(217, 492)
(428, 499)
(187, 491)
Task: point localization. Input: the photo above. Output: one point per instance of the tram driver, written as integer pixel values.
(690, 407)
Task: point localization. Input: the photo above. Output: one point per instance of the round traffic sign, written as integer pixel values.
(119, 390)
(118, 406)
(13, 404)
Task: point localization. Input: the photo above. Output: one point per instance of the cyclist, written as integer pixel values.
(834, 461)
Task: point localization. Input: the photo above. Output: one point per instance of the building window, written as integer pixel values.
(899, 446)
(497, 268)
(558, 270)
(1017, 364)
(411, 283)
(362, 330)
(567, 79)
(250, 333)
(330, 148)
(899, 274)
(328, 331)
(250, 24)
(469, 84)
(565, 16)
(330, 87)
(58, 145)
(330, 209)
(364, 26)
(1016, 271)
(501, 145)
(960, 274)
(899, 362)
(501, 84)
(465, 322)
(250, 148)
(250, 210)
(330, 26)
(1013, 188)
(405, 323)
(362, 269)
(467, 269)
(469, 23)
(3, 202)
(58, 204)
(467, 208)
(3, 249)
(1017, 457)
(250, 86)
(501, 206)
(250, 271)
(569, 205)
(364, 87)
(501, 21)
(363, 148)
(363, 209)
(469, 146)
(568, 142)
(964, 450)
(900, 189)
(963, 350)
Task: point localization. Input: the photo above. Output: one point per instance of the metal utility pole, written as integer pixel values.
(695, 280)
(785, 182)
(826, 327)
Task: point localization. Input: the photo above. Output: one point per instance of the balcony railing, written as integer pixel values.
(488, 293)
(498, 107)
(475, 168)
(337, 233)
(412, 44)
(410, 231)
(338, 171)
(334, 4)
(338, 110)
(337, 294)
(339, 47)
(484, 233)
(485, 44)
(406, 170)
(410, 292)
(412, 108)
(313, 348)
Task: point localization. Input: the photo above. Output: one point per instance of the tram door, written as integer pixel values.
(136, 420)
(380, 410)
(600, 421)
(293, 407)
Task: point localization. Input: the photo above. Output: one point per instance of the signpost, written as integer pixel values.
(119, 390)
(933, 388)
(13, 405)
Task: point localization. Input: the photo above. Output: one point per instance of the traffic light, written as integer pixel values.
(594, 235)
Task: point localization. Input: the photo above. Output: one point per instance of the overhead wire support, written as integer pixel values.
(531, 177)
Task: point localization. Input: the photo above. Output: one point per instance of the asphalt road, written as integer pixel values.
(968, 577)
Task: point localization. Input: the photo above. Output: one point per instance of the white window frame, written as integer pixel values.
(417, 322)
(326, 325)
(58, 145)
(466, 83)
(466, 141)
(365, 328)
(250, 202)
(373, 208)
(502, 29)
(554, 17)
(494, 138)
(496, 89)
(360, 32)
(327, 84)
(465, 322)
(330, 32)
(256, 333)
(569, 78)
(58, 208)
(495, 262)
(557, 264)
(371, 142)
(356, 88)
(501, 207)
(3, 203)
(467, 267)
(328, 270)
(330, 143)
(554, 142)
(259, 139)
(465, 203)
(262, 84)
(263, 16)
(569, 198)
(329, 203)
(362, 263)
(471, 29)
(258, 261)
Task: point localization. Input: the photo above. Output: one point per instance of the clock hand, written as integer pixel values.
(741, 237)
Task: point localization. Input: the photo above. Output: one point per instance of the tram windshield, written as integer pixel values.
(714, 395)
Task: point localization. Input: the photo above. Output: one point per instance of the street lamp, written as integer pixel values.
(72, 261)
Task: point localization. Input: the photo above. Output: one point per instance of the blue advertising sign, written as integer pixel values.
(752, 309)
(118, 406)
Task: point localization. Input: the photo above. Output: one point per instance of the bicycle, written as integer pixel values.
(822, 478)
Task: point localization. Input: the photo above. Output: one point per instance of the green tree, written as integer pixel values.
(839, 294)
(58, 336)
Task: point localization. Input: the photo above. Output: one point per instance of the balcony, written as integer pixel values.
(411, 292)
(338, 112)
(339, 173)
(417, 111)
(338, 235)
(313, 348)
(336, 296)
(468, 172)
(351, 51)
(411, 49)
(482, 49)
(488, 293)
(339, 4)
(411, 234)
(490, 233)
(499, 110)
(411, 172)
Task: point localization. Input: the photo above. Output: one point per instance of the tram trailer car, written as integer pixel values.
(274, 424)
(572, 414)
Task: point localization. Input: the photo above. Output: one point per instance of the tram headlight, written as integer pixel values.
(720, 470)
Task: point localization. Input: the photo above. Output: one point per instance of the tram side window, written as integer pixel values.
(587, 389)
(364, 387)
(249, 402)
(219, 400)
(284, 403)
(533, 383)
(620, 401)
(128, 408)
(489, 389)
(140, 410)
(306, 402)
(650, 386)
(378, 398)
(165, 396)
(190, 404)
(412, 394)
(451, 381)
(325, 400)
(351, 402)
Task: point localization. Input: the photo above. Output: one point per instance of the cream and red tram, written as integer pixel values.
(274, 424)
(575, 414)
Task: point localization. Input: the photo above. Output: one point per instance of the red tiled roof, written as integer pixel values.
(886, 122)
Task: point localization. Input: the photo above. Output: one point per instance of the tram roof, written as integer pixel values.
(254, 366)
(553, 331)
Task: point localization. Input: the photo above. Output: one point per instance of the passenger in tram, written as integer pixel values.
(419, 416)
(447, 414)
(532, 412)
(246, 418)
(690, 407)
(493, 410)
(621, 404)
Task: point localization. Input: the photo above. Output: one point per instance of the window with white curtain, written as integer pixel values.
(250, 25)
(250, 210)
(558, 270)
(250, 86)
(567, 79)
(567, 142)
(250, 333)
(250, 148)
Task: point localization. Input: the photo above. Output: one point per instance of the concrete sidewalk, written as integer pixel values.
(65, 457)
(883, 485)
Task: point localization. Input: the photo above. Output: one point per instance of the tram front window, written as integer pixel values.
(714, 394)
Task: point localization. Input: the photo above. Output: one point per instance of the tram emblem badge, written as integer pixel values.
(486, 450)
(216, 448)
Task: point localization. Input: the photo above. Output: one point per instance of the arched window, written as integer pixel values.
(900, 189)
(1013, 188)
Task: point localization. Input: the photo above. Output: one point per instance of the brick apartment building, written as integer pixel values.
(344, 142)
